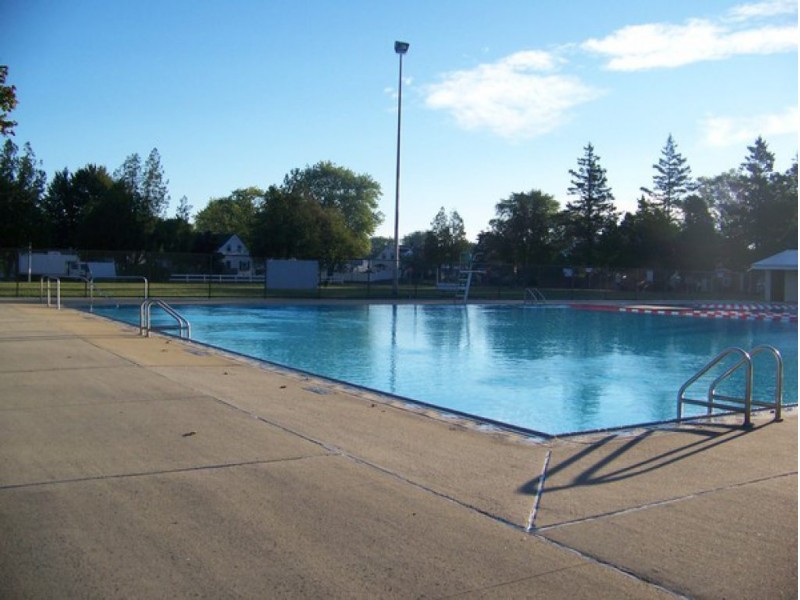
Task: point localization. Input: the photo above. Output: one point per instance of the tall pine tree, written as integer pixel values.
(672, 181)
(593, 214)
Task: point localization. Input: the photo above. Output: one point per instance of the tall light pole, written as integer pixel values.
(400, 48)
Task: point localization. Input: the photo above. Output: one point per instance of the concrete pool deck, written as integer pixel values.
(147, 467)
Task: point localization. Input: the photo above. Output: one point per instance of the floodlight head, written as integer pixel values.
(401, 47)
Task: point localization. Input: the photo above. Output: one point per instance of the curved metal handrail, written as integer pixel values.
(775, 353)
(715, 399)
(145, 318)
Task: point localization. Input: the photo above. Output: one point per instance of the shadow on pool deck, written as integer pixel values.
(136, 467)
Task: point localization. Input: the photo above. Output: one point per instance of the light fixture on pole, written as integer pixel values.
(400, 48)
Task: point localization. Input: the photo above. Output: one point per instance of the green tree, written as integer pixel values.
(235, 213)
(525, 229)
(154, 190)
(111, 217)
(593, 214)
(415, 259)
(184, 210)
(64, 210)
(22, 185)
(672, 181)
(647, 238)
(770, 201)
(355, 197)
(724, 196)
(292, 225)
(8, 102)
(446, 240)
(699, 242)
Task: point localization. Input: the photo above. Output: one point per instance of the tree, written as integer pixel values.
(8, 102)
(672, 180)
(354, 196)
(147, 187)
(154, 191)
(110, 217)
(593, 214)
(293, 225)
(723, 194)
(22, 185)
(415, 259)
(525, 230)
(646, 238)
(184, 210)
(446, 241)
(770, 201)
(699, 242)
(235, 213)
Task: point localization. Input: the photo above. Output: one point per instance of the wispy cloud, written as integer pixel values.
(665, 45)
(521, 96)
(770, 8)
(720, 131)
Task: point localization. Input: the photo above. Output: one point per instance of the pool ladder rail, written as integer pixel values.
(533, 296)
(715, 400)
(145, 319)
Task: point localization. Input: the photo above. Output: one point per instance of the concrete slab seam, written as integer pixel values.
(539, 491)
(668, 501)
(214, 467)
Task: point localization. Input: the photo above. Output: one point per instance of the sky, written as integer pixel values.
(498, 96)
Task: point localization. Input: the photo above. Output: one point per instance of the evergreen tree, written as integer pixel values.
(593, 214)
(770, 201)
(672, 180)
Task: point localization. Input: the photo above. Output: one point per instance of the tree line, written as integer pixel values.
(730, 220)
(330, 213)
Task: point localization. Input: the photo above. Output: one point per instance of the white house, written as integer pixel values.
(235, 255)
(780, 276)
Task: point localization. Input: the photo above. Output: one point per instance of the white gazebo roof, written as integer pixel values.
(783, 261)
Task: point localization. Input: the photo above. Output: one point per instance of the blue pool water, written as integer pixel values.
(548, 369)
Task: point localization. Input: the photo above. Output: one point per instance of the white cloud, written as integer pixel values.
(770, 8)
(664, 45)
(519, 96)
(729, 131)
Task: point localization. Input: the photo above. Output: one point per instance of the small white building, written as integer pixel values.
(780, 276)
(235, 255)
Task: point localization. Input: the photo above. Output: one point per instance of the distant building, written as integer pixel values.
(780, 276)
(235, 255)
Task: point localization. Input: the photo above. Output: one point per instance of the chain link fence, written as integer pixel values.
(120, 275)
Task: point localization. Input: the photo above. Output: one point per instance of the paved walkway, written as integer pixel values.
(150, 468)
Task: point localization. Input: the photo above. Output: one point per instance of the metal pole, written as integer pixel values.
(400, 48)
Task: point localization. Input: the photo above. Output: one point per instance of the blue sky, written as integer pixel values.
(499, 96)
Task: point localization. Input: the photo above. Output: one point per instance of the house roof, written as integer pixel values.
(783, 261)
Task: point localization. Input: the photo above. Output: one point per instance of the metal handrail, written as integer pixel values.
(145, 318)
(721, 401)
(778, 403)
(48, 279)
(535, 294)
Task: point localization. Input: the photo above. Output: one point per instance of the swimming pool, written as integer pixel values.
(548, 369)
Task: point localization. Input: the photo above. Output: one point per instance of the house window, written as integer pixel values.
(228, 248)
(244, 265)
